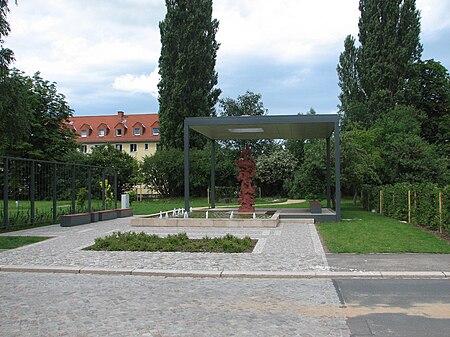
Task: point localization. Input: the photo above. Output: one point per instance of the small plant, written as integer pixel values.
(132, 241)
(109, 195)
(82, 197)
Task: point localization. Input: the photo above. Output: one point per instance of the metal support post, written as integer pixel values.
(213, 173)
(5, 192)
(103, 190)
(54, 193)
(328, 174)
(32, 193)
(115, 189)
(337, 167)
(186, 166)
(89, 190)
(73, 188)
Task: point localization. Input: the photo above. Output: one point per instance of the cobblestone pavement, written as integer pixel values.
(290, 247)
(34, 304)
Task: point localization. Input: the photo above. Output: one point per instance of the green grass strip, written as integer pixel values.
(132, 241)
(11, 242)
(364, 232)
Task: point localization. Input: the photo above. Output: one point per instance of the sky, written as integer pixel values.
(103, 54)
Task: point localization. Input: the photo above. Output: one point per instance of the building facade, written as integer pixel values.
(137, 135)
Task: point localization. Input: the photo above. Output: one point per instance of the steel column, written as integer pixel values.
(5, 192)
(328, 174)
(186, 166)
(213, 173)
(337, 167)
(33, 193)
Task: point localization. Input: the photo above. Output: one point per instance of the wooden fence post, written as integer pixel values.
(409, 206)
(381, 201)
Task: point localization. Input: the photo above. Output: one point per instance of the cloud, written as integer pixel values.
(139, 84)
(284, 30)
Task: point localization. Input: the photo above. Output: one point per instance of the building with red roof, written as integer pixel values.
(138, 134)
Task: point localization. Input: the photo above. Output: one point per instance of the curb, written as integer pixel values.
(230, 273)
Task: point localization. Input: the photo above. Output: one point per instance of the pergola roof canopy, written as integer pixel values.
(264, 127)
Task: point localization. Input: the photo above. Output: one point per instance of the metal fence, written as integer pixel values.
(37, 192)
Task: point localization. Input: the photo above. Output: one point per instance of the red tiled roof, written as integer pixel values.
(129, 122)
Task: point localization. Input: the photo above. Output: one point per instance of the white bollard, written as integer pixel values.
(174, 213)
(254, 215)
(160, 214)
(190, 210)
(167, 215)
(207, 215)
(186, 215)
(231, 214)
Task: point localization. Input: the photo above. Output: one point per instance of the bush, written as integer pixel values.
(424, 203)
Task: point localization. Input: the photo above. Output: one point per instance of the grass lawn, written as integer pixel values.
(11, 242)
(172, 243)
(364, 232)
(151, 206)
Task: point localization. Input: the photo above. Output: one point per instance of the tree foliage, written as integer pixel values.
(6, 54)
(119, 161)
(40, 113)
(273, 169)
(248, 104)
(187, 68)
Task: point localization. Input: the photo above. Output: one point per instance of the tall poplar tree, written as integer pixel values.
(187, 68)
(389, 46)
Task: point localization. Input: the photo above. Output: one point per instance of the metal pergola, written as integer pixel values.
(266, 127)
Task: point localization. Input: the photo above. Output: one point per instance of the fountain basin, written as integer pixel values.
(263, 219)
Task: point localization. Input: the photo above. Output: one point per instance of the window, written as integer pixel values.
(155, 131)
(137, 131)
(119, 147)
(84, 148)
(133, 147)
(118, 132)
(83, 133)
(145, 146)
(101, 133)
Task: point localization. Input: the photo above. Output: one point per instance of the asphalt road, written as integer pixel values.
(400, 308)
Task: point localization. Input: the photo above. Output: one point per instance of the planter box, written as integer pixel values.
(95, 217)
(315, 207)
(109, 214)
(124, 212)
(75, 219)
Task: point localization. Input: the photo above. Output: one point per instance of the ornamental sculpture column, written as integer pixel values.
(247, 171)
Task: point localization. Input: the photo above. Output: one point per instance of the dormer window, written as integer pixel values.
(137, 131)
(83, 133)
(119, 132)
(155, 131)
(101, 133)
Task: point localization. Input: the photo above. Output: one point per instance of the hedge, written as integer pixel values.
(424, 203)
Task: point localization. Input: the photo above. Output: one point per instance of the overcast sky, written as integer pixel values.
(103, 54)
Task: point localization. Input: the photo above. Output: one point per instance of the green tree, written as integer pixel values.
(47, 113)
(248, 104)
(163, 172)
(15, 111)
(430, 93)
(373, 76)
(273, 169)
(359, 159)
(406, 157)
(187, 68)
(119, 161)
(310, 178)
(6, 54)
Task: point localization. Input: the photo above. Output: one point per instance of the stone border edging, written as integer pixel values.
(230, 273)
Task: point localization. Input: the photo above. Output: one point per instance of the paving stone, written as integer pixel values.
(35, 304)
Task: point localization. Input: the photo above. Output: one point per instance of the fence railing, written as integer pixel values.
(421, 204)
(37, 192)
